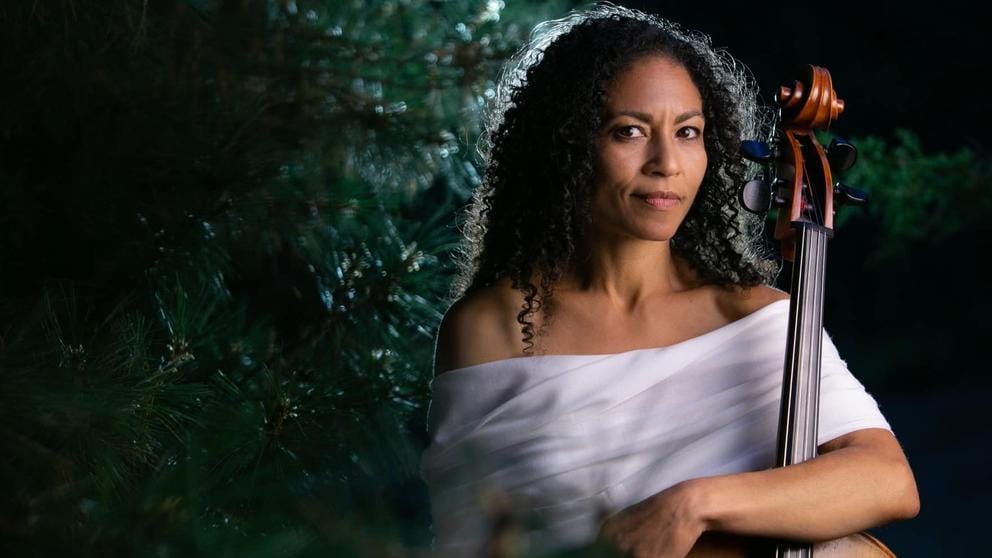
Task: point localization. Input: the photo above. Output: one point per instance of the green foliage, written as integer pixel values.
(907, 268)
(916, 196)
(227, 228)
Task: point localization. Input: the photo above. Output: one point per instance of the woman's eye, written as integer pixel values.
(690, 132)
(628, 131)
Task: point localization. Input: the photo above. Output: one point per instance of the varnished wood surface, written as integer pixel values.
(718, 545)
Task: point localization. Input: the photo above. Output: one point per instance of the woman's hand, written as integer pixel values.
(859, 480)
(665, 525)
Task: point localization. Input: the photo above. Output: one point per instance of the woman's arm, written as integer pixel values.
(859, 480)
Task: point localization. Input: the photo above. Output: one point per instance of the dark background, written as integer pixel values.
(897, 65)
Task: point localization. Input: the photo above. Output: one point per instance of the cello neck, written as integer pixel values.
(799, 413)
(801, 376)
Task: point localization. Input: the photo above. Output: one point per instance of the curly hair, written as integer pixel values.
(532, 208)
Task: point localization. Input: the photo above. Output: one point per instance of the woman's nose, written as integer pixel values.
(662, 158)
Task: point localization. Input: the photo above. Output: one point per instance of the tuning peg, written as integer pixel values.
(756, 196)
(846, 195)
(841, 154)
(757, 151)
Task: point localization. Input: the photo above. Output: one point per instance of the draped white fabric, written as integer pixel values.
(565, 438)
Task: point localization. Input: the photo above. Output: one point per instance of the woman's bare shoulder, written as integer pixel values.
(742, 301)
(478, 328)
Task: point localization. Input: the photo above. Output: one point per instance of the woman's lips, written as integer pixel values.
(660, 202)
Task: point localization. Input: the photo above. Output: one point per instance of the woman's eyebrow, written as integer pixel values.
(647, 117)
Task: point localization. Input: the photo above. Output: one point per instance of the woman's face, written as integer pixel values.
(650, 152)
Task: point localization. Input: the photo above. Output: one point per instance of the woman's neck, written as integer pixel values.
(626, 274)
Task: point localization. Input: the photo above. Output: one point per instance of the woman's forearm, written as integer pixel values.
(862, 481)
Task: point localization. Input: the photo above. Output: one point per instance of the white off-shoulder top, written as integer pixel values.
(564, 439)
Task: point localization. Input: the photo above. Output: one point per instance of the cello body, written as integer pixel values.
(720, 545)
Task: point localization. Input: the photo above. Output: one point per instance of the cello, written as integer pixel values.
(797, 179)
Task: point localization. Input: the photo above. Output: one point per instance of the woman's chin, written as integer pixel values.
(655, 235)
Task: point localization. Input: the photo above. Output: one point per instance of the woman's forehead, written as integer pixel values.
(653, 82)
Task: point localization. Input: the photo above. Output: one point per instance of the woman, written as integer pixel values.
(615, 351)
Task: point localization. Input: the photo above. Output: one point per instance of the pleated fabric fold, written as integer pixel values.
(556, 442)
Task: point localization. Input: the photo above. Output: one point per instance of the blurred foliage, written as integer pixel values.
(917, 196)
(226, 229)
(906, 289)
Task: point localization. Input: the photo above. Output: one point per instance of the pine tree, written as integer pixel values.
(227, 229)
